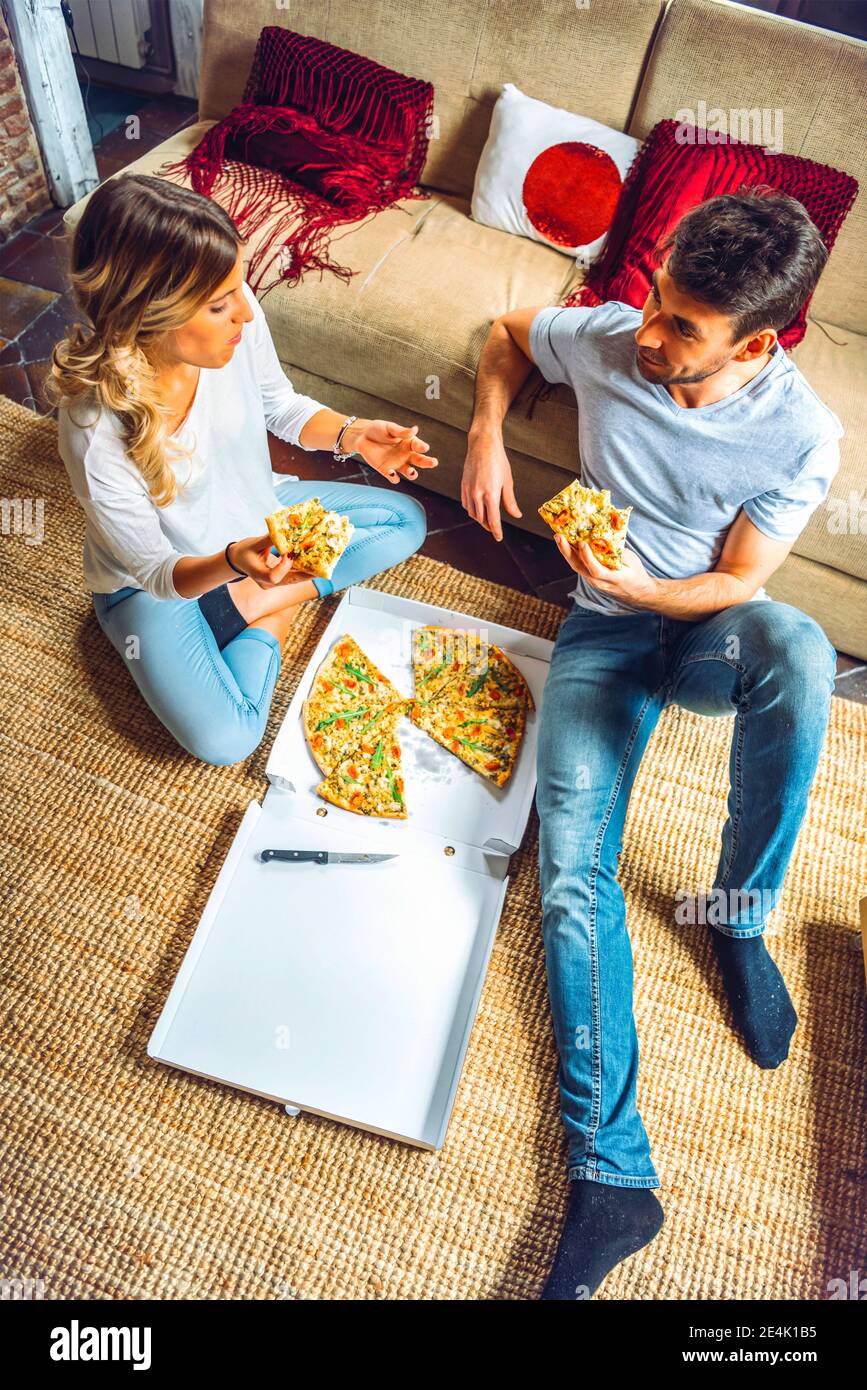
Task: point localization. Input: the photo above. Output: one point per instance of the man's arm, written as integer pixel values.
(747, 560)
(504, 366)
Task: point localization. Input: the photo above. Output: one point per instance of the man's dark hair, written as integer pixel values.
(755, 256)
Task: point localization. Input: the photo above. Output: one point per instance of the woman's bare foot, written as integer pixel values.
(274, 609)
(279, 623)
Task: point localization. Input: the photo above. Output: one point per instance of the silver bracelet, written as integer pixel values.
(338, 456)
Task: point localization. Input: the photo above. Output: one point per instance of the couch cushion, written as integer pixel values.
(411, 323)
(834, 362)
(836, 600)
(586, 57)
(738, 59)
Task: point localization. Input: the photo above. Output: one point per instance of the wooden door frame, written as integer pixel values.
(39, 37)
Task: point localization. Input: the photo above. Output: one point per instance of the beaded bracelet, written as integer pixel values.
(336, 452)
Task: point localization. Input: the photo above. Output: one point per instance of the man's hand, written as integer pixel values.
(390, 449)
(486, 480)
(504, 365)
(748, 559)
(632, 583)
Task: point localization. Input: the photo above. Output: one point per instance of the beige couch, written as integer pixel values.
(405, 333)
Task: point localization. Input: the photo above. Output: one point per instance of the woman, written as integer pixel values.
(174, 382)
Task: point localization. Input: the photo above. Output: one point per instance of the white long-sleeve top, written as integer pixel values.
(129, 541)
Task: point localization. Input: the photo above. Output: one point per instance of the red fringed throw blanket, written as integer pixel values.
(322, 137)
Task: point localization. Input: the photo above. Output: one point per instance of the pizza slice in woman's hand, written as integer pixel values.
(314, 537)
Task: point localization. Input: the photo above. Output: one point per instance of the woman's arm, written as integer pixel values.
(390, 449)
(124, 521)
(195, 575)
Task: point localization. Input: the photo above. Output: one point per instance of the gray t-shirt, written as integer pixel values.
(770, 447)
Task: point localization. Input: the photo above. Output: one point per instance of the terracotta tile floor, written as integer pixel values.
(36, 309)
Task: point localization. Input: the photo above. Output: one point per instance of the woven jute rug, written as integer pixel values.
(123, 1178)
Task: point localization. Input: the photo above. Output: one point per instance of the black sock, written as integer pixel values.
(604, 1225)
(757, 993)
(222, 616)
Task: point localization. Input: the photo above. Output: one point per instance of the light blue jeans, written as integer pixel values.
(609, 679)
(216, 703)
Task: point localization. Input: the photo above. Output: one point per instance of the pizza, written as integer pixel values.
(288, 525)
(348, 690)
(314, 537)
(487, 740)
(369, 780)
(346, 676)
(585, 514)
(469, 697)
(493, 682)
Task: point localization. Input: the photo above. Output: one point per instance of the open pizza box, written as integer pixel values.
(350, 990)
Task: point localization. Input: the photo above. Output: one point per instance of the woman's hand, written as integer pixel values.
(253, 555)
(389, 448)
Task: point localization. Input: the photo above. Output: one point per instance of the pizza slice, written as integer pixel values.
(288, 525)
(586, 514)
(347, 689)
(346, 674)
(493, 682)
(314, 537)
(487, 740)
(369, 779)
(318, 552)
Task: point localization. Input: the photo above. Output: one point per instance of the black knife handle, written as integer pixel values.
(296, 856)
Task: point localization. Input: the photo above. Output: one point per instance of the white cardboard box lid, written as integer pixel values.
(348, 991)
(446, 801)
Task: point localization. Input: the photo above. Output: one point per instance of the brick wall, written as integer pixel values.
(23, 189)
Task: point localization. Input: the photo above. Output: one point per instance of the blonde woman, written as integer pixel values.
(164, 400)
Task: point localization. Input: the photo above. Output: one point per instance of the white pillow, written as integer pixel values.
(550, 175)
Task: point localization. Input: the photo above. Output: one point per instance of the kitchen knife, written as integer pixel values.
(320, 856)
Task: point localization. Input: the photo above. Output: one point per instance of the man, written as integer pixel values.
(690, 412)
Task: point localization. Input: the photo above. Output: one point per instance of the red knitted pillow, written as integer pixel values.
(669, 177)
(335, 165)
(322, 137)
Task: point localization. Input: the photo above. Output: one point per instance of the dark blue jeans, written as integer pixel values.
(610, 678)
